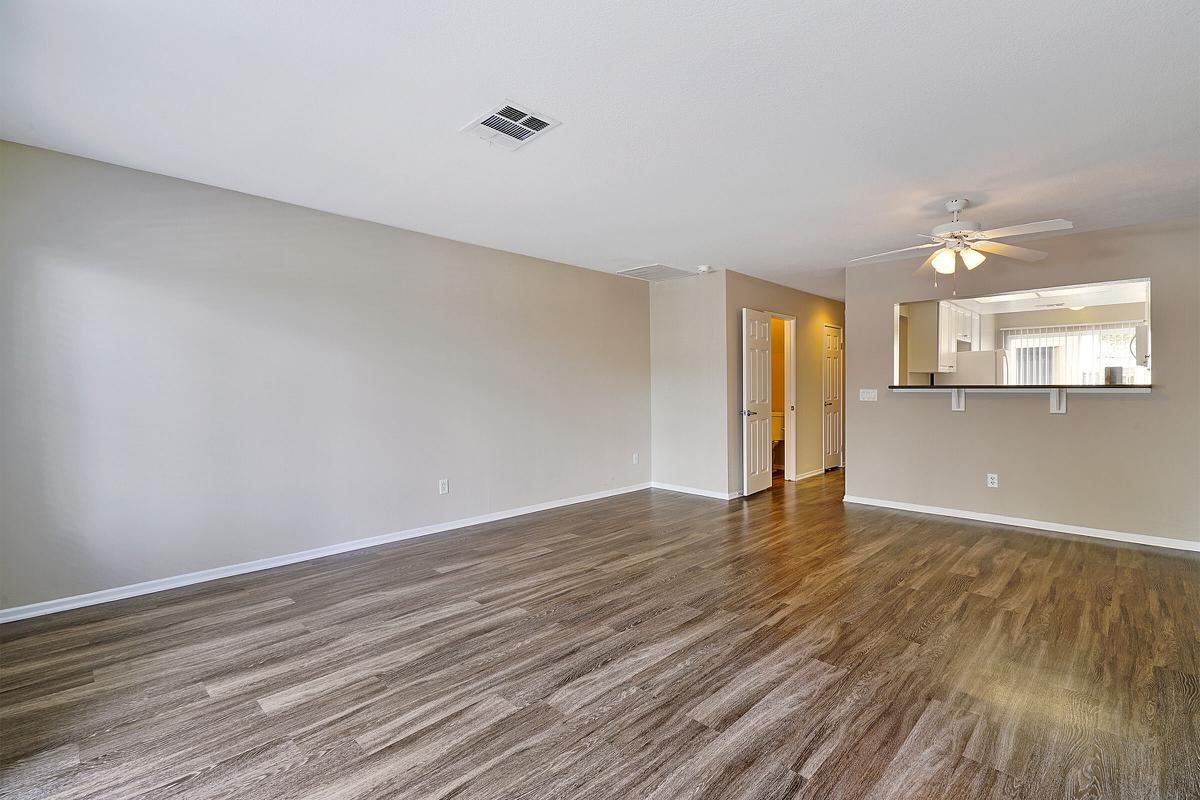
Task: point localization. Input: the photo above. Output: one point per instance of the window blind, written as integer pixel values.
(1069, 354)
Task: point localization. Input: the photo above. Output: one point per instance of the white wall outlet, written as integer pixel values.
(444, 486)
(636, 458)
(868, 395)
(993, 480)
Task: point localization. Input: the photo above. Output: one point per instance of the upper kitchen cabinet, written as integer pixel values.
(958, 332)
(934, 333)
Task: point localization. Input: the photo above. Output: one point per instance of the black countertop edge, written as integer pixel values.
(1042, 387)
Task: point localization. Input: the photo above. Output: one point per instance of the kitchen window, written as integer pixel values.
(1089, 355)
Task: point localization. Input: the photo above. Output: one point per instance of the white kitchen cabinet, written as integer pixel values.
(948, 328)
(937, 332)
(958, 331)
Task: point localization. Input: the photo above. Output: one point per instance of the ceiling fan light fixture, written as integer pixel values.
(964, 237)
(972, 258)
(944, 261)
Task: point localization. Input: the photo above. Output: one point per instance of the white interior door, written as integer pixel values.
(831, 396)
(756, 401)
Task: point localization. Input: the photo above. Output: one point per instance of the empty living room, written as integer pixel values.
(549, 400)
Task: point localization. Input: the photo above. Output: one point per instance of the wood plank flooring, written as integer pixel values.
(653, 645)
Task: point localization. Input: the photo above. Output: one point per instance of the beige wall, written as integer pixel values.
(1118, 312)
(811, 313)
(1127, 463)
(697, 375)
(195, 378)
(687, 356)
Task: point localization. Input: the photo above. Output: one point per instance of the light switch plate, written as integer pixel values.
(868, 395)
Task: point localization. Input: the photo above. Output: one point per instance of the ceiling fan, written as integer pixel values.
(962, 238)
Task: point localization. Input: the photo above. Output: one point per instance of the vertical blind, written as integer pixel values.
(1068, 354)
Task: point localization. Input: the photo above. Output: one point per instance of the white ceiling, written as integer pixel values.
(777, 138)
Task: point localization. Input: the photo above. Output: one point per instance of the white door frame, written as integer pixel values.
(790, 432)
(789, 395)
(842, 410)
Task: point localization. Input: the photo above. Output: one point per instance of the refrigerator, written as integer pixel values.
(977, 368)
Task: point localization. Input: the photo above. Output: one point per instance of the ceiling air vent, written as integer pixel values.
(510, 126)
(655, 273)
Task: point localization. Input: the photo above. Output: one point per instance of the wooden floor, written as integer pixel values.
(652, 645)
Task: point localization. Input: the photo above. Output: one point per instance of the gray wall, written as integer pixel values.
(195, 378)
(1125, 463)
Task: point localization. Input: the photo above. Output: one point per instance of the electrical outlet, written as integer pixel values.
(635, 458)
(444, 486)
(993, 480)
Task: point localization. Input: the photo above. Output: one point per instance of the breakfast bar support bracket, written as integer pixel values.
(1058, 401)
(958, 399)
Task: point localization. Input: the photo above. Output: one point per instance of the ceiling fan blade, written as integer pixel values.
(1028, 227)
(1009, 250)
(896, 252)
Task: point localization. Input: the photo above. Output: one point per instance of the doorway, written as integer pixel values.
(832, 400)
(769, 433)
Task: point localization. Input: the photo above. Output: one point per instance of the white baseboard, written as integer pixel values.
(174, 582)
(1020, 522)
(671, 487)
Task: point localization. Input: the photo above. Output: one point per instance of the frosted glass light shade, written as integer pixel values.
(972, 258)
(944, 261)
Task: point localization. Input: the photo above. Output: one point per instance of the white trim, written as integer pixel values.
(1020, 522)
(176, 581)
(811, 473)
(791, 444)
(671, 487)
(842, 413)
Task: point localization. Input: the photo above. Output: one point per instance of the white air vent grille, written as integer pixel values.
(655, 273)
(510, 126)
(514, 130)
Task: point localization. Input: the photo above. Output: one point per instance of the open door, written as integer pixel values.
(831, 391)
(756, 401)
